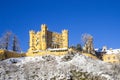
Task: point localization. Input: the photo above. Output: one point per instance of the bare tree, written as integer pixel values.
(8, 40)
(88, 43)
(15, 46)
(5, 40)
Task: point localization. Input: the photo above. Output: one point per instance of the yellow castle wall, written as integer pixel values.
(10, 54)
(46, 53)
(90, 55)
(4, 54)
(111, 58)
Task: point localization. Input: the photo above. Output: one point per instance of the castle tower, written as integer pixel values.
(44, 36)
(31, 42)
(65, 38)
(38, 41)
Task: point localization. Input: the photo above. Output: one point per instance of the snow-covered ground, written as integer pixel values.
(51, 67)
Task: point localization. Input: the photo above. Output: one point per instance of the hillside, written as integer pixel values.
(49, 67)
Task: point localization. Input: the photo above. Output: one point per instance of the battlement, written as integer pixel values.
(64, 31)
(32, 32)
(43, 26)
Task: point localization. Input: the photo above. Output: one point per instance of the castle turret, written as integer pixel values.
(65, 38)
(44, 36)
(31, 42)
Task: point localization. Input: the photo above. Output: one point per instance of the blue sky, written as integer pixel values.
(100, 18)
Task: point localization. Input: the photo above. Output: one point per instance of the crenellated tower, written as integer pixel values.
(44, 36)
(65, 38)
(32, 39)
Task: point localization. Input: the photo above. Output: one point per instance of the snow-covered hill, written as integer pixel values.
(49, 67)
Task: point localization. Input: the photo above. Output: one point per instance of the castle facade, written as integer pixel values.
(45, 39)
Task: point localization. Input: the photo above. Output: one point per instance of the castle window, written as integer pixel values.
(113, 57)
(108, 58)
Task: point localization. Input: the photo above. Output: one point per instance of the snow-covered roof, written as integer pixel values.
(56, 49)
(96, 49)
(37, 50)
(113, 51)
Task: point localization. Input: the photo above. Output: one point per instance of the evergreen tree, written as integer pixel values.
(79, 47)
(15, 44)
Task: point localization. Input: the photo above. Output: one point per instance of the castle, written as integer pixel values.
(46, 40)
(42, 43)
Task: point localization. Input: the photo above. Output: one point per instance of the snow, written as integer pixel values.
(49, 66)
(56, 49)
(114, 51)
